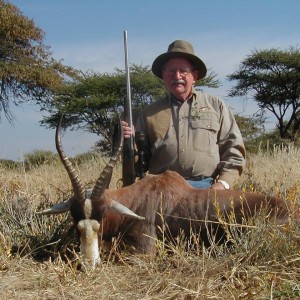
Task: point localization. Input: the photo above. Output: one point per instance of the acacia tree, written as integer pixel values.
(94, 100)
(272, 78)
(27, 69)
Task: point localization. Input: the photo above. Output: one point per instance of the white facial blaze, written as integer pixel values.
(88, 208)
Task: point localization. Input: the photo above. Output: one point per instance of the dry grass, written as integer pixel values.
(276, 172)
(38, 254)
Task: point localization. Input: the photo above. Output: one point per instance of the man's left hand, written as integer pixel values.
(218, 186)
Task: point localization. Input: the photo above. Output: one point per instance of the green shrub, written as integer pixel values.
(39, 157)
(85, 157)
(9, 164)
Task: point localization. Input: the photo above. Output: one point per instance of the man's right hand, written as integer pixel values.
(127, 131)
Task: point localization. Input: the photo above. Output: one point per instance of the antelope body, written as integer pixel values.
(137, 211)
(169, 198)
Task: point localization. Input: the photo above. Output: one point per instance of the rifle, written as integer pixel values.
(128, 166)
(141, 163)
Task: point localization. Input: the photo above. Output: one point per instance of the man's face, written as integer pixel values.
(179, 76)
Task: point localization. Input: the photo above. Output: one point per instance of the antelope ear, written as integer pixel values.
(123, 210)
(58, 208)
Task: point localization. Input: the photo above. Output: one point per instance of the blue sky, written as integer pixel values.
(88, 35)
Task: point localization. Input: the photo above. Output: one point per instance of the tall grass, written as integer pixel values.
(38, 255)
(273, 172)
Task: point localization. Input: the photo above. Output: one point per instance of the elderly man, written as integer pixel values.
(189, 131)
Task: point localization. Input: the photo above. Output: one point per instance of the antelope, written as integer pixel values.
(137, 211)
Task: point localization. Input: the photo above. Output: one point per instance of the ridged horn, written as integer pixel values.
(105, 175)
(78, 189)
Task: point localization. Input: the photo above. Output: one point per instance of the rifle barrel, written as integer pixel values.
(128, 167)
(128, 87)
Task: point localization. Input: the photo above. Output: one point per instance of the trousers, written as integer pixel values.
(201, 184)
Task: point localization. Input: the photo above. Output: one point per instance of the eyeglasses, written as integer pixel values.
(183, 71)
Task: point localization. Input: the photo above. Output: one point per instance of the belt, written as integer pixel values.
(196, 178)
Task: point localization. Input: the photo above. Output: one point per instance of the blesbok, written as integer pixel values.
(136, 212)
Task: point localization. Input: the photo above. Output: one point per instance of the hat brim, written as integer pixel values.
(163, 58)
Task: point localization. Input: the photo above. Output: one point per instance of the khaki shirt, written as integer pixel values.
(196, 137)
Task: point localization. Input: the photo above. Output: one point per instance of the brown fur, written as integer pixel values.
(170, 198)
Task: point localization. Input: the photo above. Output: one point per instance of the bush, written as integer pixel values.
(85, 157)
(9, 164)
(39, 157)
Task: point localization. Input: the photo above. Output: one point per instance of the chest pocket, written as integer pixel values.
(204, 133)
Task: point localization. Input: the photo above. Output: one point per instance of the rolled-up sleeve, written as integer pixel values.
(231, 148)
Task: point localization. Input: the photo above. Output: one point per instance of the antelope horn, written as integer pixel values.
(123, 210)
(58, 208)
(79, 191)
(105, 175)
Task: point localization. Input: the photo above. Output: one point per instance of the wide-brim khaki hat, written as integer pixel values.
(179, 48)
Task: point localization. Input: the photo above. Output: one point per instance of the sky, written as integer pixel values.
(88, 35)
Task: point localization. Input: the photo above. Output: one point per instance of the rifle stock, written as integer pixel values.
(128, 165)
